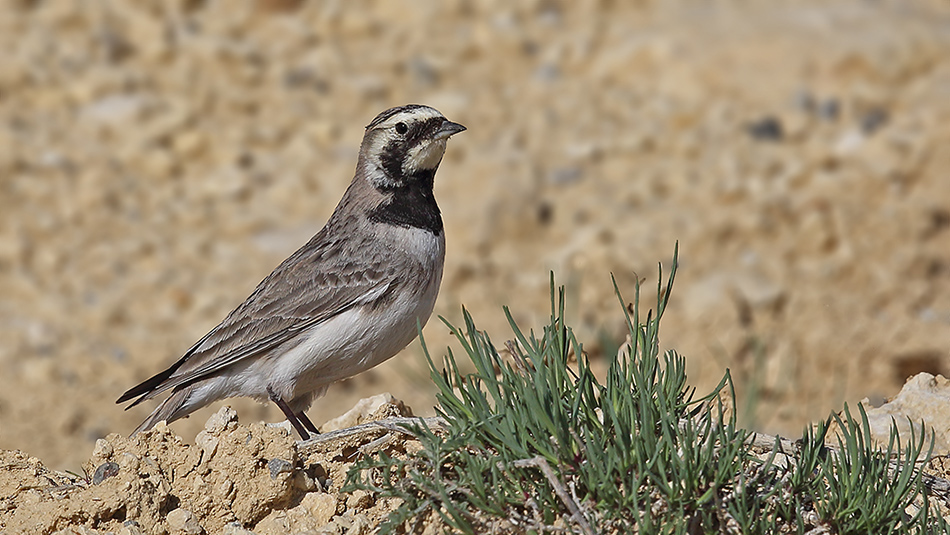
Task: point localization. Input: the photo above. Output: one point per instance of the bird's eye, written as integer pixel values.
(401, 128)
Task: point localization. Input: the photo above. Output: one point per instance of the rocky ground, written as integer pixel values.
(158, 159)
(231, 477)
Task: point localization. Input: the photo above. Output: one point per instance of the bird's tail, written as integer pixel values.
(170, 410)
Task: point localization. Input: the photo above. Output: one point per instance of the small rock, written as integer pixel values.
(103, 449)
(828, 109)
(760, 292)
(547, 73)
(339, 525)
(235, 528)
(872, 120)
(224, 488)
(207, 439)
(284, 425)
(849, 142)
(189, 144)
(131, 527)
(279, 466)
(113, 109)
(220, 420)
(321, 506)
(182, 521)
(360, 499)
(304, 482)
(207, 442)
(766, 129)
(563, 176)
(360, 525)
(105, 471)
(805, 101)
(359, 413)
(78, 530)
(922, 404)
(129, 461)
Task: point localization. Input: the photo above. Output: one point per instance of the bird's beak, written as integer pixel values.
(448, 129)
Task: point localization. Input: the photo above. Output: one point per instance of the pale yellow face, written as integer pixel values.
(423, 153)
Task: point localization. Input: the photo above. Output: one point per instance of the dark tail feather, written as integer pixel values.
(146, 387)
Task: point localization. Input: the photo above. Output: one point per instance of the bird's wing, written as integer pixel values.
(308, 288)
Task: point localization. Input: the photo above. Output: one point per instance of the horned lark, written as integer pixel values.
(349, 299)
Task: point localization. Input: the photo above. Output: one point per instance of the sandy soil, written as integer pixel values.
(157, 162)
(232, 476)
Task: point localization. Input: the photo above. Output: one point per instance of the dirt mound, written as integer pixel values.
(257, 480)
(235, 478)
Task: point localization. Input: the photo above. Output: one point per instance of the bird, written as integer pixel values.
(352, 297)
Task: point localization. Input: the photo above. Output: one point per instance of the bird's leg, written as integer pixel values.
(307, 423)
(291, 417)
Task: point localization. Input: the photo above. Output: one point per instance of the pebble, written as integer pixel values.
(765, 129)
(183, 522)
(105, 471)
(279, 466)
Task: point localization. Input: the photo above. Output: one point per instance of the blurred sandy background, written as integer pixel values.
(157, 159)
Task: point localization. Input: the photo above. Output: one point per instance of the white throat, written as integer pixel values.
(424, 157)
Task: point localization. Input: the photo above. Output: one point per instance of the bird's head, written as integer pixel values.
(404, 145)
